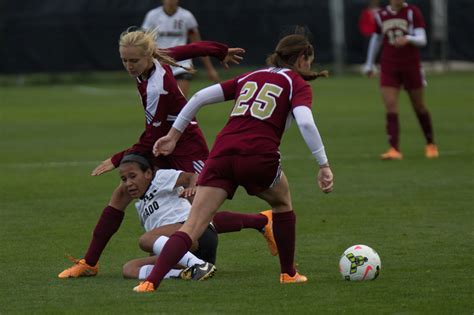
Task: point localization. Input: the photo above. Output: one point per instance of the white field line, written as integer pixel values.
(51, 164)
(284, 157)
(91, 90)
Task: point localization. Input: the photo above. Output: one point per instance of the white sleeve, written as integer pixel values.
(309, 131)
(209, 95)
(372, 50)
(148, 22)
(166, 180)
(418, 38)
(191, 21)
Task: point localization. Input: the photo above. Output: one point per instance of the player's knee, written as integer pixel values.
(120, 198)
(129, 270)
(420, 108)
(145, 243)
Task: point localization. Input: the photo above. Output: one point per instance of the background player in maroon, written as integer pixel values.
(246, 151)
(401, 28)
(162, 101)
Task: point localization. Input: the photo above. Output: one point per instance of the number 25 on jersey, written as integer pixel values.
(264, 103)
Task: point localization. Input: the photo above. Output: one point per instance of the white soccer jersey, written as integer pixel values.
(161, 204)
(172, 30)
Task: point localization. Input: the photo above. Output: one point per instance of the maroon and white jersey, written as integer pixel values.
(264, 100)
(162, 101)
(390, 25)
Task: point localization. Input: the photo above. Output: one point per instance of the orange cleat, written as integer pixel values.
(145, 286)
(392, 154)
(431, 151)
(79, 269)
(297, 278)
(268, 232)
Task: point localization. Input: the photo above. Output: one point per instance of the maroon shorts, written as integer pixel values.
(190, 154)
(411, 77)
(191, 164)
(256, 173)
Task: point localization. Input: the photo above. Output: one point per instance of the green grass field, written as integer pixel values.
(417, 213)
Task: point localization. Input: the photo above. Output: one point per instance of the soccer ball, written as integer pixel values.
(359, 262)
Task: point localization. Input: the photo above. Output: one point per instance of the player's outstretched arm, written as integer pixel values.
(166, 145)
(374, 46)
(210, 95)
(309, 131)
(203, 48)
(103, 167)
(234, 55)
(325, 178)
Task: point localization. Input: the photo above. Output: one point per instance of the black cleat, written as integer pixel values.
(198, 272)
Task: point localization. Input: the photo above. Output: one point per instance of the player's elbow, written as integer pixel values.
(306, 127)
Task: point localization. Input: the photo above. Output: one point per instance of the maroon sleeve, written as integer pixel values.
(198, 49)
(143, 146)
(302, 93)
(228, 87)
(418, 20)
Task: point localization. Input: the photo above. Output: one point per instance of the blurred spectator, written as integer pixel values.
(367, 18)
(177, 26)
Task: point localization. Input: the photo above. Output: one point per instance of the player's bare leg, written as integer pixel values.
(424, 118)
(284, 223)
(147, 240)
(131, 269)
(140, 268)
(390, 99)
(206, 202)
(109, 223)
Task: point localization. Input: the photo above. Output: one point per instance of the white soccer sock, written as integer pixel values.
(188, 259)
(146, 270)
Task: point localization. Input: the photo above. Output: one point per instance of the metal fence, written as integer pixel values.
(79, 35)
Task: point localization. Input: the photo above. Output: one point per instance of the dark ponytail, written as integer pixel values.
(287, 52)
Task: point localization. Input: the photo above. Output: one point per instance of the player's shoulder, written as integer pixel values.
(412, 7)
(296, 78)
(166, 173)
(383, 11)
(184, 13)
(155, 12)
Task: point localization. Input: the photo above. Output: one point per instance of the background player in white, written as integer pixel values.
(176, 26)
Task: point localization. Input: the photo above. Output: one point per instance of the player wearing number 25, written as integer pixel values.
(246, 152)
(402, 28)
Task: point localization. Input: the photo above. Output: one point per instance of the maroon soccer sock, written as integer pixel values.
(226, 221)
(284, 232)
(393, 129)
(109, 222)
(425, 122)
(175, 248)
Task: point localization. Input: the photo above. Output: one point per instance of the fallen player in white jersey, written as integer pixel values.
(163, 206)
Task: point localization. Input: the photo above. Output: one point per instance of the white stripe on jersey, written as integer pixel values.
(171, 118)
(379, 20)
(274, 70)
(289, 81)
(198, 166)
(154, 89)
(410, 22)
